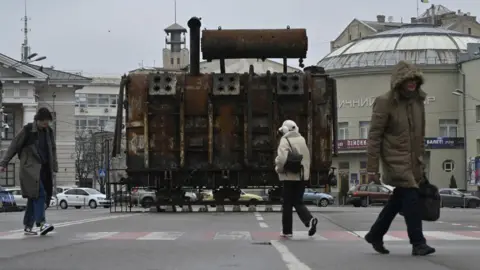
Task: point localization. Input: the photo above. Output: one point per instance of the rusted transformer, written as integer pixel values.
(219, 131)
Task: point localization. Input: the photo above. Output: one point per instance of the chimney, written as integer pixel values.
(194, 25)
(381, 18)
(413, 20)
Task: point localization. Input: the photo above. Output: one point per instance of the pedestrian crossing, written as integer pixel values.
(240, 236)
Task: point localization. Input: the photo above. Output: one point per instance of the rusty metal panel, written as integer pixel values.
(162, 84)
(136, 98)
(196, 122)
(226, 84)
(322, 126)
(228, 132)
(262, 141)
(290, 84)
(258, 43)
(293, 107)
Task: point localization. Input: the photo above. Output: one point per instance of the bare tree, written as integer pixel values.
(85, 157)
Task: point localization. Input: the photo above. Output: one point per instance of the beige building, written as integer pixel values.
(362, 69)
(437, 15)
(27, 87)
(471, 93)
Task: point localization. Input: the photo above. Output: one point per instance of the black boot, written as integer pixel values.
(422, 250)
(377, 245)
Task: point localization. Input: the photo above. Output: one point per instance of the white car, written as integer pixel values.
(22, 202)
(79, 197)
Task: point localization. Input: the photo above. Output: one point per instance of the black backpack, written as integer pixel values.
(294, 161)
(30, 138)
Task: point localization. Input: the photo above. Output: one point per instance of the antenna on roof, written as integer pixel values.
(175, 9)
(25, 46)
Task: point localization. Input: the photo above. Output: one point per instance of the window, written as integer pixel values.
(372, 188)
(448, 165)
(478, 146)
(103, 101)
(470, 31)
(9, 133)
(477, 112)
(81, 100)
(71, 192)
(363, 188)
(448, 127)
(364, 127)
(343, 131)
(343, 165)
(7, 178)
(113, 101)
(178, 61)
(171, 61)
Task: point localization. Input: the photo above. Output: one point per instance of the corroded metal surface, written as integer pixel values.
(200, 129)
(262, 43)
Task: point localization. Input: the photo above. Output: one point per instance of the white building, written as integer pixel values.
(363, 69)
(27, 87)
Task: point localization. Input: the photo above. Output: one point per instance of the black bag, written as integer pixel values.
(294, 161)
(430, 201)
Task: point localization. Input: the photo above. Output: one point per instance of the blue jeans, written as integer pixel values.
(35, 212)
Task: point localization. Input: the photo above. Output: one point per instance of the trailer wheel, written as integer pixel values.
(147, 202)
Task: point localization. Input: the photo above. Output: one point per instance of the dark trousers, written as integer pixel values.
(405, 200)
(293, 197)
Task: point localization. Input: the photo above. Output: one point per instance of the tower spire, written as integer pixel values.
(174, 9)
(25, 46)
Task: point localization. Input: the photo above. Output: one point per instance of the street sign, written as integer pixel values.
(101, 173)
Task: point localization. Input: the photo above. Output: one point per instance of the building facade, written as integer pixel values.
(437, 15)
(363, 71)
(27, 87)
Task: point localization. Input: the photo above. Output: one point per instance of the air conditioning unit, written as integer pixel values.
(82, 110)
(106, 110)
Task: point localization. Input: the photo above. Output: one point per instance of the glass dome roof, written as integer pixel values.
(418, 44)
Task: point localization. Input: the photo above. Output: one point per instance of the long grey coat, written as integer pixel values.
(30, 162)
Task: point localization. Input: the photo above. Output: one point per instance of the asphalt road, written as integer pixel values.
(98, 239)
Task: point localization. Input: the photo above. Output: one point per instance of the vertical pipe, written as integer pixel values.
(194, 24)
(146, 140)
(464, 111)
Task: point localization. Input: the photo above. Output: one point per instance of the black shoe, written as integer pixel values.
(422, 250)
(312, 227)
(377, 245)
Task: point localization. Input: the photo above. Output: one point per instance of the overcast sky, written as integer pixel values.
(109, 37)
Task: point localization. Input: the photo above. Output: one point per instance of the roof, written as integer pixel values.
(106, 81)
(381, 26)
(9, 62)
(54, 74)
(175, 27)
(438, 11)
(420, 44)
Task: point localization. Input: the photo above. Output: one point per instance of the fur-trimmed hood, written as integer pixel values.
(404, 71)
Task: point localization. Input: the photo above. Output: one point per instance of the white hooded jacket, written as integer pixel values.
(290, 130)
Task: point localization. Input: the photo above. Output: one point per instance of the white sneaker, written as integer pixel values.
(312, 228)
(286, 235)
(46, 228)
(29, 231)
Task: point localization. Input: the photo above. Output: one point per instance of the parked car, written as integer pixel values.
(366, 194)
(22, 202)
(7, 201)
(123, 197)
(146, 197)
(318, 198)
(61, 189)
(452, 197)
(249, 198)
(78, 197)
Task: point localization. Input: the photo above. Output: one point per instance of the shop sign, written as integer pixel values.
(444, 143)
(358, 144)
(430, 143)
(368, 102)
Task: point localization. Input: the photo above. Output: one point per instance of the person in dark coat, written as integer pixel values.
(35, 146)
(396, 139)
